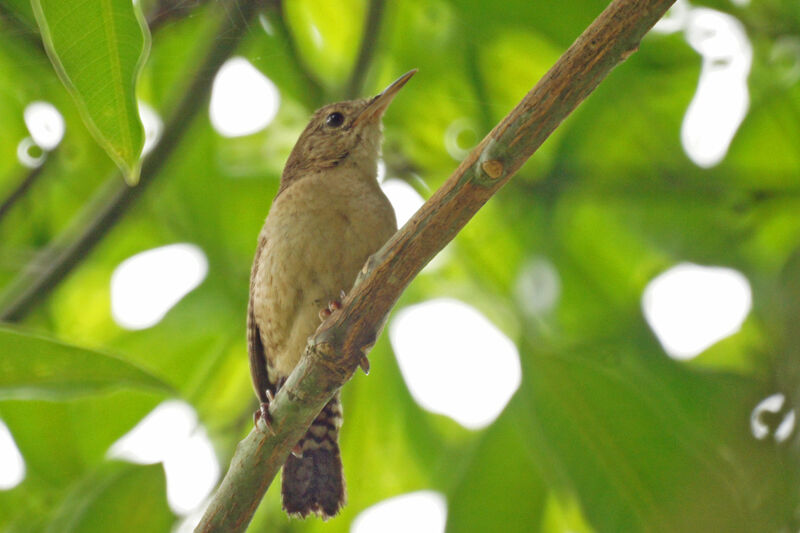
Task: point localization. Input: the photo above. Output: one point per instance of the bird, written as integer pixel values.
(328, 216)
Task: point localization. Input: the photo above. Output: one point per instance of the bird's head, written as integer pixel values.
(344, 133)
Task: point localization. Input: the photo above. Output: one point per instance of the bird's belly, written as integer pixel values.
(310, 256)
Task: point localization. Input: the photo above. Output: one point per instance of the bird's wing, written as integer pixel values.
(255, 348)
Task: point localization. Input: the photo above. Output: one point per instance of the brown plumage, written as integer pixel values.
(328, 217)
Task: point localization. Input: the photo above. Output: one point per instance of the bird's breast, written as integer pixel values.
(318, 234)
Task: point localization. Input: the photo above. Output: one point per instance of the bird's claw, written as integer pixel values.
(333, 305)
(363, 362)
(262, 413)
(297, 450)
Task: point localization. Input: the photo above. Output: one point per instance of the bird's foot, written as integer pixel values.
(297, 450)
(333, 305)
(262, 413)
(363, 362)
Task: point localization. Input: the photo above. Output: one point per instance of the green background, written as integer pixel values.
(606, 433)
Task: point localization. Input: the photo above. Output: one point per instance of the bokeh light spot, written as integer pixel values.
(675, 18)
(772, 405)
(722, 98)
(170, 434)
(153, 125)
(460, 137)
(538, 286)
(45, 124)
(691, 307)
(147, 285)
(30, 154)
(405, 200)
(243, 100)
(784, 58)
(12, 466)
(424, 511)
(454, 361)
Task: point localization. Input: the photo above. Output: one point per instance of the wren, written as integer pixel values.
(328, 217)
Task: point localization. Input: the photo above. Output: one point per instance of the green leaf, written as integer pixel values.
(36, 367)
(98, 49)
(327, 34)
(511, 488)
(107, 497)
(649, 445)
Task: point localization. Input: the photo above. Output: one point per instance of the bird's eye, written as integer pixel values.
(334, 120)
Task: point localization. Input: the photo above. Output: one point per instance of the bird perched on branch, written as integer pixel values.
(328, 217)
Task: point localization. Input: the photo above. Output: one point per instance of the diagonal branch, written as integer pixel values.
(166, 11)
(277, 18)
(367, 50)
(17, 193)
(333, 353)
(115, 198)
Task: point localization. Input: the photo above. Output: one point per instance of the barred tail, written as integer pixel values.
(314, 483)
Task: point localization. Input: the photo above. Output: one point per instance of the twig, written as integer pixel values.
(18, 27)
(333, 353)
(31, 176)
(115, 198)
(167, 11)
(367, 50)
(313, 87)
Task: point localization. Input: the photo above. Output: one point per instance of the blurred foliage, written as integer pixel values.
(101, 69)
(606, 433)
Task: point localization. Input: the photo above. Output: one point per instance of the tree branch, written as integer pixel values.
(12, 22)
(367, 50)
(108, 206)
(316, 91)
(31, 176)
(334, 352)
(166, 11)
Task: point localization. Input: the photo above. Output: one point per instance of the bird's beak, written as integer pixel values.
(378, 104)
